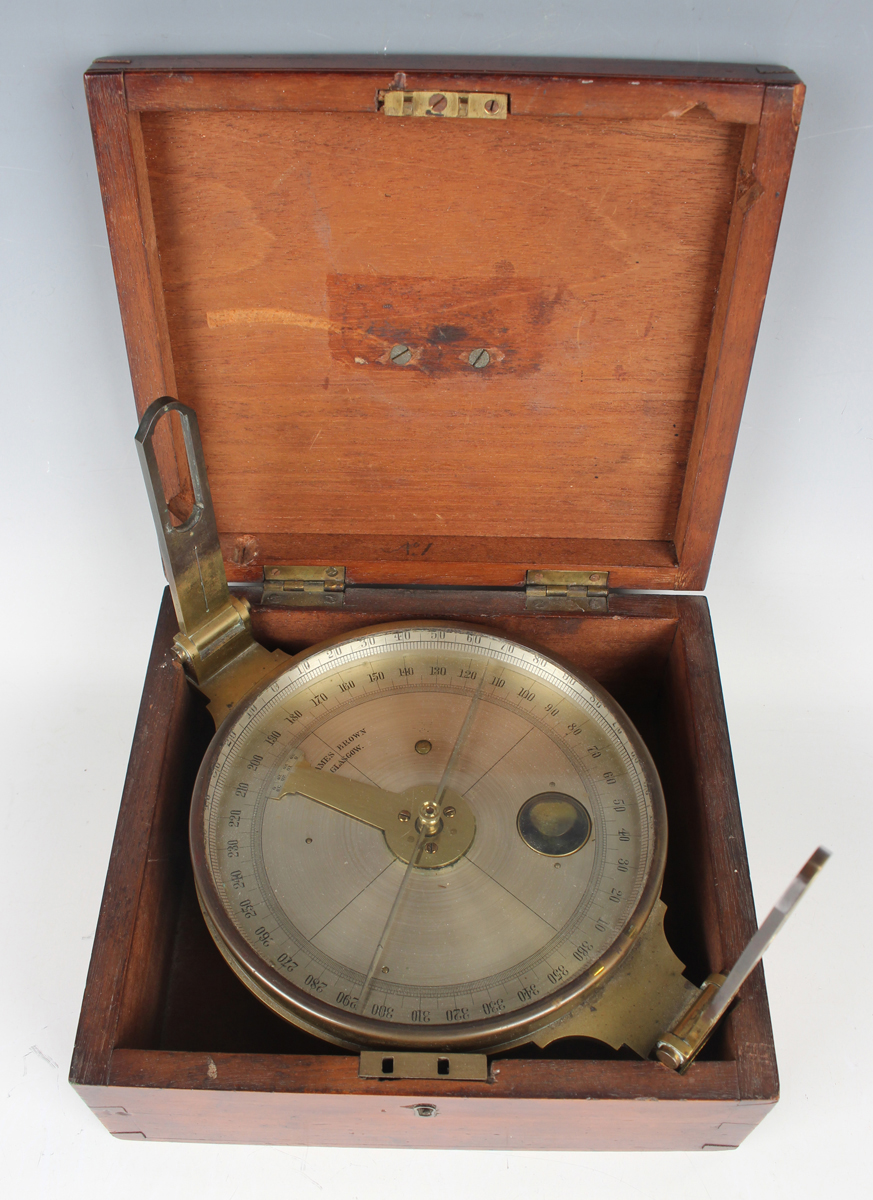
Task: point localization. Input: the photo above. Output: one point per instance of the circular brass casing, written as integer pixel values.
(516, 1022)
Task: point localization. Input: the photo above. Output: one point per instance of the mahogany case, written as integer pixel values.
(276, 237)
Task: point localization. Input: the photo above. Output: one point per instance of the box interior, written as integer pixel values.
(179, 994)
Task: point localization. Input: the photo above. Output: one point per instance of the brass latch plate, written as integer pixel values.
(304, 587)
(489, 106)
(407, 1064)
(566, 591)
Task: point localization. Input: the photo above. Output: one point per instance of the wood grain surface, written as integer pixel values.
(453, 64)
(584, 258)
(456, 1122)
(328, 91)
(275, 236)
(761, 187)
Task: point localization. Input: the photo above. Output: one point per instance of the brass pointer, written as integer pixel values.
(404, 817)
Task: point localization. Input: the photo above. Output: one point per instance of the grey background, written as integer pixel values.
(82, 580)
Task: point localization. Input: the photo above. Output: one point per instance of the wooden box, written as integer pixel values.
(318, 279)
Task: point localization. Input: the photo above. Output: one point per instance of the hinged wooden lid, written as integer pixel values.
(318, 276)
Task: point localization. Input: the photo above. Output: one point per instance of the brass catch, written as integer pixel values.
(406, 1064)
(489, 106)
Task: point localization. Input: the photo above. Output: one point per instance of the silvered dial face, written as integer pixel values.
(358, 911)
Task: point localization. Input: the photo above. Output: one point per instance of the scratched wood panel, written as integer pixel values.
(297, 249)
(340, 65)
(330, 91)
(438, 561)
(302, 1118)
(763, 179)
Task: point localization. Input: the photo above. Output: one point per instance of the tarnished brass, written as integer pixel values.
(460, 965)
(644, 996)
(685, 1038)
(691, 1032)
(405, 1064)
(304, 587)
(214, 642)
(489, 106)
(390, 812)
(567, 591)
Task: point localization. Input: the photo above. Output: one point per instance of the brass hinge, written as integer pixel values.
(489, 106)
(566, 591)
(304, 587)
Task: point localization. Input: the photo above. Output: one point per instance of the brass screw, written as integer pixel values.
(491, 106)
(332, 572)
(449, 811)
(400, 355)
(437, 103)
(423, 747)
(479, 358)
(384, 970)
(431, 847)
(403, 815)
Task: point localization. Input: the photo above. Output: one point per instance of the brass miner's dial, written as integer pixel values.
(384, 875)
(423, 836)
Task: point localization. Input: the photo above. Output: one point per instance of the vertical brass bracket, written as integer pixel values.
(215, 641)
(680, 1045)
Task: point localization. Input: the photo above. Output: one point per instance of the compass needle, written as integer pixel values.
(430, 826)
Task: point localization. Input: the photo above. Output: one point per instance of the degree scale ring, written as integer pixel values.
(480, 953)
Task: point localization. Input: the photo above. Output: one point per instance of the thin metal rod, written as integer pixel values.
(753, 953)
(462, 737)
(423, 837)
